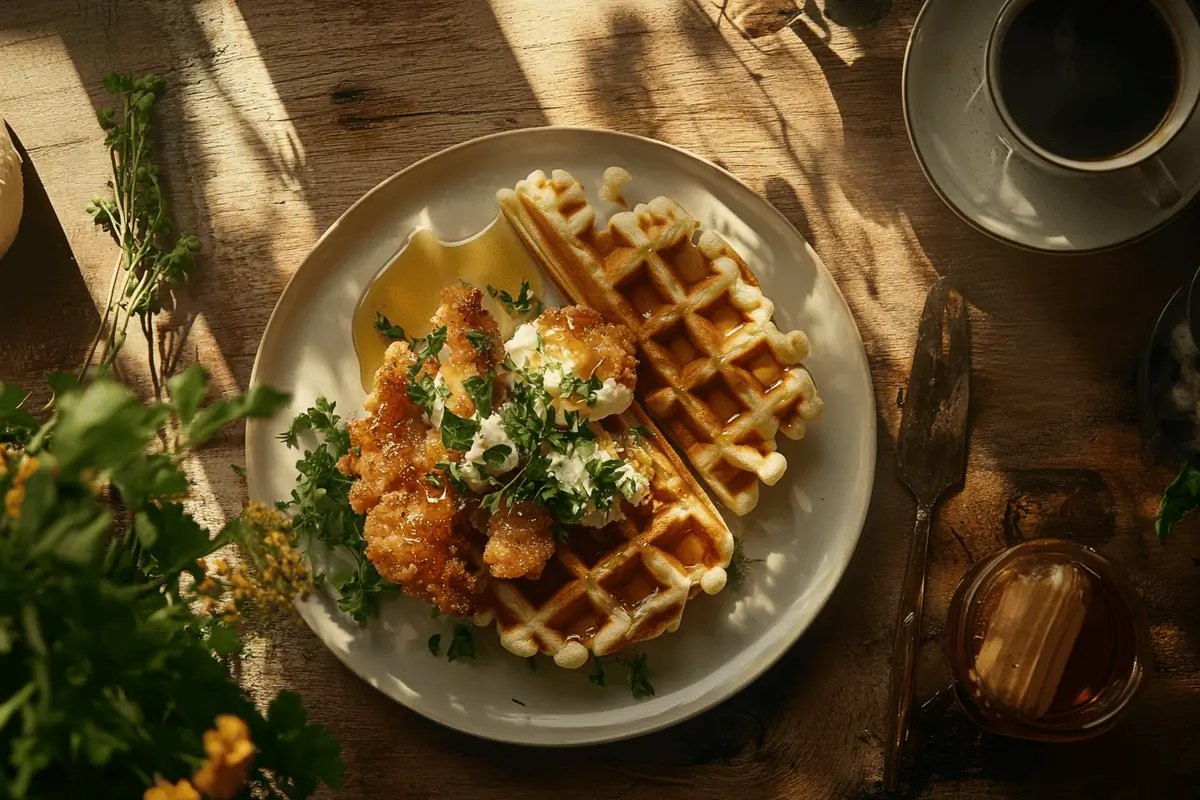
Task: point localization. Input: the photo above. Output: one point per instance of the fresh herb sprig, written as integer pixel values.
(321, 506)
(739, 564)
(427, 348)
(522, 305)
(154, 258)
(385, 327)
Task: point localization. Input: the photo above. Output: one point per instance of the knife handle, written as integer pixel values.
(904, 656)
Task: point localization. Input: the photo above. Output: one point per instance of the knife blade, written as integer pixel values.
(931, 450)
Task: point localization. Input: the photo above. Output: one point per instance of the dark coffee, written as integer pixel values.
(1088, 79)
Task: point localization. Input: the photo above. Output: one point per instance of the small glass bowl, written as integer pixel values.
(1115, 615)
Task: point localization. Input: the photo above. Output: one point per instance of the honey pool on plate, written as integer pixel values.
(407, 290)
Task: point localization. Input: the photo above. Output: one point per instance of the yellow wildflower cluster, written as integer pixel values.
(229, 752)
(272, 577)
(223, 773)
(165, 790)
(15, 496)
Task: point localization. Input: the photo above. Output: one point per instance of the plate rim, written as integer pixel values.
(678, 713)
(965, 217)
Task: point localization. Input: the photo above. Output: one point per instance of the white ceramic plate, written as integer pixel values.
(805, 528)
(955, 134)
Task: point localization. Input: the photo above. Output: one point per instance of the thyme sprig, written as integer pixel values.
(153, 257)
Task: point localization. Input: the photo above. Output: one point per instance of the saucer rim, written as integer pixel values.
(964, 216)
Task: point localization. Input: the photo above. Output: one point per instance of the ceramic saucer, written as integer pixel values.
(958, 140)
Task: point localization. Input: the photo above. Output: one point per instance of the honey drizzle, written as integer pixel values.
(407, 290)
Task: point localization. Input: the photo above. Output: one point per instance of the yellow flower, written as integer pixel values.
(162, 790)
(16, 495)
(229, 752)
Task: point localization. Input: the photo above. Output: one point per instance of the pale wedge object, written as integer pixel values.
(12, 190)
(1030, 636)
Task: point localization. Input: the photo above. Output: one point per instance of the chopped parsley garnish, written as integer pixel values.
(739, 564)
(480, 341)
(639, 680)
(574, 386)
(435, 643)
(640, 431)
(462, 645)
(454, 472)
(427, 348)
(425, 392)
(520, 305)
(385, 327)
(457, 432)
(560, 533)
(479, 389)
(433, 480)
(495, 455)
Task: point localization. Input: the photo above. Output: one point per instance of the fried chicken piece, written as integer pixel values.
(462, 311)
(597, 347)
(388, 447)
(414, 534)
(418, 541)
(520, 541)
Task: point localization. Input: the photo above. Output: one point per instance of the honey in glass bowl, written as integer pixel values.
(1047, 641)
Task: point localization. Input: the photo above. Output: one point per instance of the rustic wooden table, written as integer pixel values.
(282, 112)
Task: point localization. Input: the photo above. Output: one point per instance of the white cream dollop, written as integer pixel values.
(611, 398)
(491, 433)
(570, 470)
(523, 346)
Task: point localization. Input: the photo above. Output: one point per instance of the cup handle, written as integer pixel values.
(1157, 184)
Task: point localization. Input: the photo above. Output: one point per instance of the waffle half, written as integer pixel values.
(624, 583)
(716, 372)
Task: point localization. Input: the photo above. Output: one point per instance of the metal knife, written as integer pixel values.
(931, 449)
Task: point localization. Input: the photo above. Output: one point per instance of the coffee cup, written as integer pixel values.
(1084, 87)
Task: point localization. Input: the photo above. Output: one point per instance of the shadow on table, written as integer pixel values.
(381, 84)
(46, 312)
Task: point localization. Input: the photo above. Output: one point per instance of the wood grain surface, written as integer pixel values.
(282, 112)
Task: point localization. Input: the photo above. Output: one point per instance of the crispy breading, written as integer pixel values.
(388, 447)
(597, 347)
(418, 536)
(520, 541)
(417, 540)
(462, 311)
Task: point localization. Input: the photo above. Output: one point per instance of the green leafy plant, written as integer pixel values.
(1181, 498)
(109, 666)
(321, 507)
(153, 257)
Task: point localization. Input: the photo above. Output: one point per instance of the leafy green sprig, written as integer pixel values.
(153, 257)
(322, 511)
(524, 304)
(1179, 500)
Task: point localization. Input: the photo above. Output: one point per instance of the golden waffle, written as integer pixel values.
(716, 373)
(627, 582)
